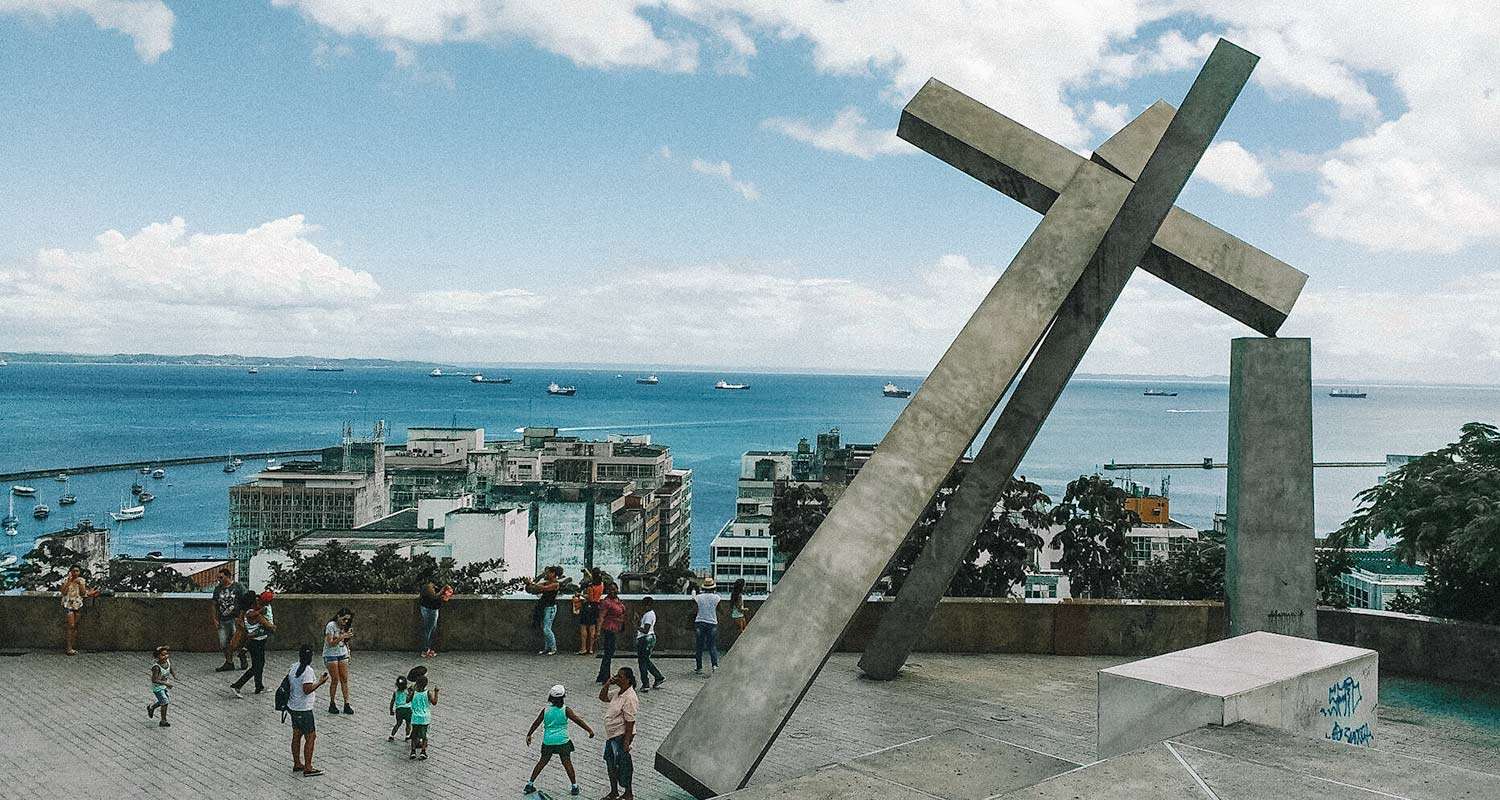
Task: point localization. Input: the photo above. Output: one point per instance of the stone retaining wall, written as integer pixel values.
(390, 622)
(1412, 644)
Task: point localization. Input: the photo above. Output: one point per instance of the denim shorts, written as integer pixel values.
(331, 659)
(304, 721)
(226, 632)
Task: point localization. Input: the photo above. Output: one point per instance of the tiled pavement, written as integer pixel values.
(78, 726)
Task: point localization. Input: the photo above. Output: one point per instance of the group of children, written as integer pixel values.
(411, 705)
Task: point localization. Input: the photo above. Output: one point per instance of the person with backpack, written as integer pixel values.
(296, 697)
(259, 625)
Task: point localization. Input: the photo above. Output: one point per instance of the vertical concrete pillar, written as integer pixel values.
(1269, 574)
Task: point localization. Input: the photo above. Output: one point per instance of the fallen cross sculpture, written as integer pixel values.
(1103, 217)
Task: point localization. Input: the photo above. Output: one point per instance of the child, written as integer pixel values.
(420, 698)
(161, 680)
(555, 739)
(400, 709)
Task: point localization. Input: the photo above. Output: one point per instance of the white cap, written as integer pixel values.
(557, 691)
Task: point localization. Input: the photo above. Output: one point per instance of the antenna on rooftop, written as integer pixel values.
(348, 444)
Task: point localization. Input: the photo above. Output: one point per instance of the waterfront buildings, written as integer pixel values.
(433, 463)
(345, 490)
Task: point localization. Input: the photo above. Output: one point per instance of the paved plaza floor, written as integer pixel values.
(78, 725)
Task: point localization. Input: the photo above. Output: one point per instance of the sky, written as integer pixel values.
(712, 182)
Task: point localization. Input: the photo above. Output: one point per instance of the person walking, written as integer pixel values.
(226, 617)
(336, 636)
(162, 676)
(259, 625)
(737, 610)
(619, 731)
(706, 626)
(588, 616)
(400, 708)
(431, 600)
(555, 742)
(73, 589)
(645, 644)
(545, 587)
(422, 699)
(299, 705)
(611, 622)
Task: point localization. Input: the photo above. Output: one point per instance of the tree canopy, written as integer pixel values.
(1093, 541)
(336, 569)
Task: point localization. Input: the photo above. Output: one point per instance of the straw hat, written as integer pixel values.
(709, 583)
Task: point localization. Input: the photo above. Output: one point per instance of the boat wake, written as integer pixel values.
(1195, 411)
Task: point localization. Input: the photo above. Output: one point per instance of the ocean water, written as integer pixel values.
(55, 416)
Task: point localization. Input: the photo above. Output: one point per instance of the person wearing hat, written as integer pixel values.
(258, 628)
(555, 742)
(706, 625)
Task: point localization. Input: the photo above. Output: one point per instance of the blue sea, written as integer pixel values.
(55, 416)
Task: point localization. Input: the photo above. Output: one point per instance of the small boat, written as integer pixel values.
(62, 477)
(731, 386)
(146, 497)
(145, 470)
(562, 391)
(24, 491)
(892, 390)
(127, 513)
(619, 375)
(4, 363)
(67, 500)
(325, 369)
(482, 379)
(649, 380)
(159, 474)
(236, 462)
(1159, 393)
(136, 488)
(253, 371)
(230, 467)
(10, 518)
(1348, 394)
(40, 511)
(435, 373)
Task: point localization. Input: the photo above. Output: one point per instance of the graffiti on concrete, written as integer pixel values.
(1344, 698)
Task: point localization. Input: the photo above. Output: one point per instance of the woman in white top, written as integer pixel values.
(336, 636)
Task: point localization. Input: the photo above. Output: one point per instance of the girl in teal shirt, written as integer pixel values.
(421, 698)
(554, 723)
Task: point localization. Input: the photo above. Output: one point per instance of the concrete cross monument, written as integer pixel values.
(1103, 217)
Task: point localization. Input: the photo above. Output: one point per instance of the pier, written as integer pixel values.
(1209, 463)
(163, 462)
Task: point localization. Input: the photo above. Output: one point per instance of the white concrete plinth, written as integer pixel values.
(1328, 691)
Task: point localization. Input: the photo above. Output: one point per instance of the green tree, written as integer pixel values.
(1001, 553)
(1443, 509)
(1094, 523)
(146, 578)
(796, 512)
(1330, 563)
(47, 564)
(1193, 573)
(338, 570)
(1404, 603)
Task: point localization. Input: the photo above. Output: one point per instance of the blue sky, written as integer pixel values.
(664, 182)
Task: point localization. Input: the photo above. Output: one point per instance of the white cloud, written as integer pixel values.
(849, 133)
(592, 33)
(147, 22)
(1229, 166)
(1106, 118)
(664, 152)
(723, 171)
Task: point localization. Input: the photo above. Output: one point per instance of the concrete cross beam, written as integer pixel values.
(1098, 224)
(1196, 257)
(1021, 419)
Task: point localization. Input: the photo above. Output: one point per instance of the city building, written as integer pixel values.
(433, 463)
(615, 503)
(443, 528)
(203, 573)
(86, 539)
(1378, 576)
(345, 490)
(744, 547)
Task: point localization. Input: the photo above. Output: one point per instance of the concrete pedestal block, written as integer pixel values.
(1326, 691)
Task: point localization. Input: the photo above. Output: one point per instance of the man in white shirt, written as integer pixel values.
(645, 644)
(619, 731)
(706, 626)
(299, 705)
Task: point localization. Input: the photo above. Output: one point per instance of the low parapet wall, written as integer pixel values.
(1412, 644)
(390, 622)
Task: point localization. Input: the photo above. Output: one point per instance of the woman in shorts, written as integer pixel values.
(74, 588)
(336, 636)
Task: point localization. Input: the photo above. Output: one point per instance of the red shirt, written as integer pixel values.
(612, 614)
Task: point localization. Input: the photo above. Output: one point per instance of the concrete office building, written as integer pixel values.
(1377, 577)
(345, 490)
(432, 464)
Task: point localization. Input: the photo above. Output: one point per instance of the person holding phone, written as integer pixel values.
(336, 636)
(299, 706)
(431, 601)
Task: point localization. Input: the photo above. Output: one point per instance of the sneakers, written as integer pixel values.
(391, 738)
(698, 671)
(411, 756)
(151, 711)
(333, 708)
(347, 709)
(163, 724)
(530, 788)
(574, 791)
(423, 756)
(227, 666)
(235, 690)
